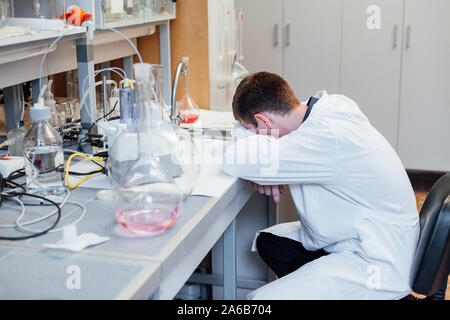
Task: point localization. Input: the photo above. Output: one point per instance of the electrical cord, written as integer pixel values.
(14, 185)
(6, 226)
(99, 170)
(14, 196)
(21, 226)
(16, 174)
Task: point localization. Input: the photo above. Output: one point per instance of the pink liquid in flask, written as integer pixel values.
(147, 221)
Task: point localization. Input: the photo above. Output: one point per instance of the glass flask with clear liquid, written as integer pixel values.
(114, 10)
(44, 158)
(147, 200)
(187, 107)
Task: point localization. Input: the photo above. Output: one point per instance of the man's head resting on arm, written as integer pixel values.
(265, 104)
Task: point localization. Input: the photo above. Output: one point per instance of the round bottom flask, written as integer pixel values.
(147, 201)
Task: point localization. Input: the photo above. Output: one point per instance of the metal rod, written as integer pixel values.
(229, 262)
(105, 111)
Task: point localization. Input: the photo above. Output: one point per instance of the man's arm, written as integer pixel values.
(269, 190)
(307, 155)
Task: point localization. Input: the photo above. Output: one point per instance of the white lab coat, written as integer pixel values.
(353, 197)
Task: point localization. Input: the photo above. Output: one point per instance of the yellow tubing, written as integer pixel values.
(85, 178)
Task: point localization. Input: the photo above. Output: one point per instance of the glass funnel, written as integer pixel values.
(188, 109)
(147, 200)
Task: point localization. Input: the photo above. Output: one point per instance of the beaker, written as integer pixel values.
(113, 10)
(58, 10)
(5, 11)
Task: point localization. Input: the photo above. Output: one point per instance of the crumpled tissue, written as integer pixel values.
(75, 243)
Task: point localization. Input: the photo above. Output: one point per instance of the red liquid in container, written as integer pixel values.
(189, 118)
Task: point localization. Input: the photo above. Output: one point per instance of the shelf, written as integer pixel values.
(41, 31)
(20, 56)
(154, 19)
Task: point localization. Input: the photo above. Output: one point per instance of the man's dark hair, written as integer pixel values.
(262, 91)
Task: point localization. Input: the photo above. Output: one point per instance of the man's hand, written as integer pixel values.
(274, 191)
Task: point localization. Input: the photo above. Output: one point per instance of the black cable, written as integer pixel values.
(14, 185)
(16, 174)
(1, 189)
(104, 117)
(17, 194)
(87, 173)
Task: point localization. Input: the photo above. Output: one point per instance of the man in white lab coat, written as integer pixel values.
(359, 225)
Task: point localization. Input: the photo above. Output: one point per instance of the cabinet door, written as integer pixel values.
(312, 40)
(424, 136)
(262, 32)
(371, 60)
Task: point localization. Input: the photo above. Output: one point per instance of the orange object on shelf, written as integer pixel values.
(76, 16)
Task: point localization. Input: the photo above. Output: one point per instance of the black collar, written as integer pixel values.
(311, 102)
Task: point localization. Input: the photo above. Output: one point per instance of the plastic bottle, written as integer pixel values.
(44, 158)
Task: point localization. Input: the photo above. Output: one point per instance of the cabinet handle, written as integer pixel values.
(395, 37)
(408, 37)
(275, 35)
(288, 35)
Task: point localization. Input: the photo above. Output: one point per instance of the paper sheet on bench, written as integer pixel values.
(213, 119)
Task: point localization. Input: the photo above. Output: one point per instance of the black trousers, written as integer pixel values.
(284, 255)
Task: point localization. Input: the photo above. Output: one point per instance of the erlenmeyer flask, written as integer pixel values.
(188, 109)
(147, 201)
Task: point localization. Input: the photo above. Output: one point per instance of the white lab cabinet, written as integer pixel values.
(312, 40)
(424, 130)
(390, 56)
(287, 38)
(371, 60)
(262, 35)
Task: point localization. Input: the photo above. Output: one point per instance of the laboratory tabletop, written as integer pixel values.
(127, 266)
